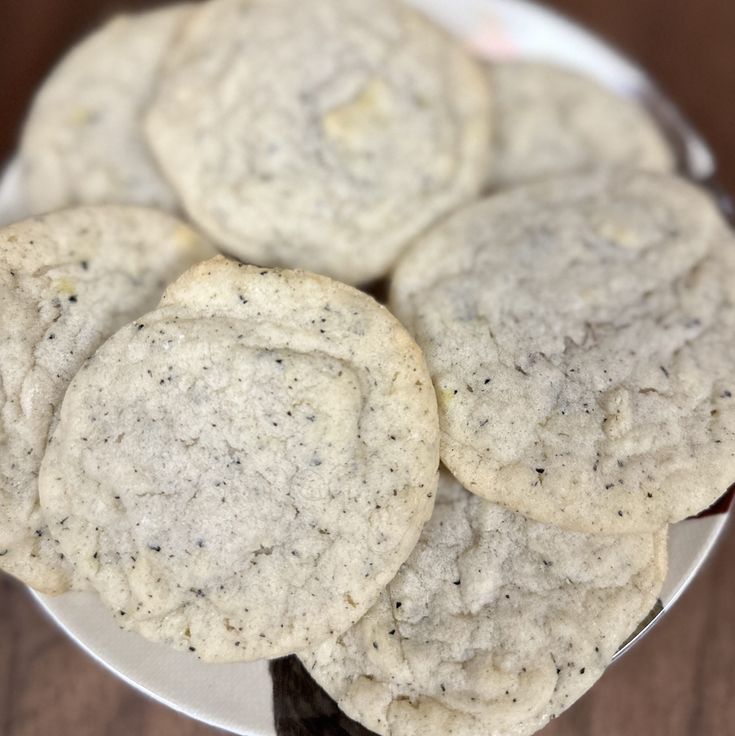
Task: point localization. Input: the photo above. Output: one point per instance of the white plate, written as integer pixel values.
(239, 698)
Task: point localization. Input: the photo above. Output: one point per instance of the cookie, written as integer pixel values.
(579, 334)
(495, 624)
(82, 142)
(241, 472)
(321, 135)
(67, 281)
(550, 121)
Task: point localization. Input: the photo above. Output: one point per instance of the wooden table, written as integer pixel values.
(680, 681)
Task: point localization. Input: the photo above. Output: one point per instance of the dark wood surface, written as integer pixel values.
(680, 681)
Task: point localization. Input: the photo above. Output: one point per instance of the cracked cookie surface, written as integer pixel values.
(242, 471)
(494, 625)
(550, 121)
(83, 142)
(579, 335)
(67, 281)
(331, 133)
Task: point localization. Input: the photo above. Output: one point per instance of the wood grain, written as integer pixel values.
(680, 681)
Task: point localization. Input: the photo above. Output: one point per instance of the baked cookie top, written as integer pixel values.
(494, 625)
(550, 121)
(83, 142)
(579, 334)
(242, 471)
(322, 135)
(67, 281)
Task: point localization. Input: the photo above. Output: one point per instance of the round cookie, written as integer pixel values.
(333, 131)
(579, 335)
(241, 472)
(494, 625)
(550, 121)
(67, 281)
(82, 142)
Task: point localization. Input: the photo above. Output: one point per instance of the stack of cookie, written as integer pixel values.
(242, 459)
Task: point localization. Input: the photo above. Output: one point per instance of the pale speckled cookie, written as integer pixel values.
(67, 281)
(82, 142)
(243, 471)
(579, 334)
(322, 135)
(549, 121)
(494, 625)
